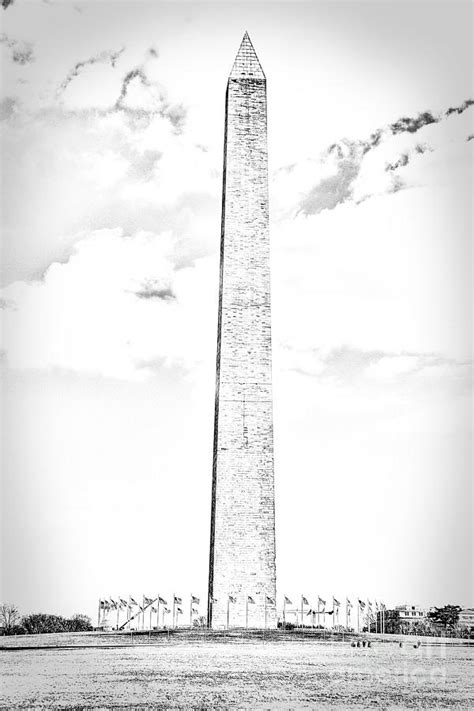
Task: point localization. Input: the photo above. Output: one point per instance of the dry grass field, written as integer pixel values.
(195, 672)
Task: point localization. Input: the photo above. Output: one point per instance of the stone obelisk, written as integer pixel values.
(242, 573)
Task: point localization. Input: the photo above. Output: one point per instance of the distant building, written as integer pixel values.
(405, 619)
(466, 618)
(411, 613)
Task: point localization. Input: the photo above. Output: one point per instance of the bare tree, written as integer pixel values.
(9, 617)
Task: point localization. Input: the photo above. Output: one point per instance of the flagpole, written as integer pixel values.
(228, 602)
(302, 611)
(174, 607)
(358, 622)
(284, 612)
(318, 612)
(118, 612)
(157, 610)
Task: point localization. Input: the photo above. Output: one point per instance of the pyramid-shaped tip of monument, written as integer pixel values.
(246, 64)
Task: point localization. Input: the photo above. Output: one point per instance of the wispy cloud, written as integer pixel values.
(408, 124)
(139, 97)
(21, 52)
(155, 101)
(107, 56)
(404, 158)
(150, 292)
(8, 106)
(156, 314)
(137, 73)
(347, 156)
(460, 109)
(337, 188)
(349, 365)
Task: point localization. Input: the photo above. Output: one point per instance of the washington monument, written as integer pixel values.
(242, 572)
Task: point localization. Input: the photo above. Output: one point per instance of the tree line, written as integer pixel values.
(439, 621)
(440, 618)
(444, 619)
(11, 622)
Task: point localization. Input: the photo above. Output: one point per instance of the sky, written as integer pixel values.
(112, 148)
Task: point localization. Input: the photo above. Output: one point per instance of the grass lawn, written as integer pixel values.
(186, 672)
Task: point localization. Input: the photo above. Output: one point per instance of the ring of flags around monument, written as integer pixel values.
(153, 612)
(149, 613)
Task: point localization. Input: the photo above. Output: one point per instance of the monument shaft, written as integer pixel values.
(242, 552)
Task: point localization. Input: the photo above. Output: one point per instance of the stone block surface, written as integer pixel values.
(242, 555)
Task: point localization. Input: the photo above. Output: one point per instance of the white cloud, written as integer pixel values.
(411, 152)
(118, 307)
(390, 367)
(390, 274)
(85, 171)
(436, 155)
(388, 277)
